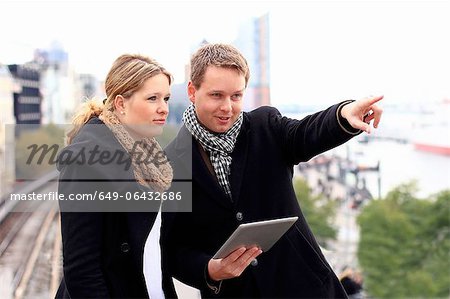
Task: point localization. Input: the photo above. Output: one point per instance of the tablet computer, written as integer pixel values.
(262, 234)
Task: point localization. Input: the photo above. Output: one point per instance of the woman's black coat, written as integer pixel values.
(102, 251)
(267, 148)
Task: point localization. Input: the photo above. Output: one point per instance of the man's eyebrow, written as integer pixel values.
(219, 90)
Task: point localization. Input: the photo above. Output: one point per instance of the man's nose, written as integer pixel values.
(226, 105)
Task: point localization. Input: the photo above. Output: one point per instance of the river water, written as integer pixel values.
(399, 163)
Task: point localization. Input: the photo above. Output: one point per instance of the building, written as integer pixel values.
(179, 101)
(254, 42)
(60, 86)
(89, 86)
(7, 168)
(27, 97)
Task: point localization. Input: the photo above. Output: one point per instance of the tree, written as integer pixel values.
(319, 212)
(405, 244)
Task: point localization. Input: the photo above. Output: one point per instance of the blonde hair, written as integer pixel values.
(220, 55)
(126, 76)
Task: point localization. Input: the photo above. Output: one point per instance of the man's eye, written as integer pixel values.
(237, 96)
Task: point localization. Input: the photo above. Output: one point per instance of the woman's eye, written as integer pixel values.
(153, 98)
(166, 99)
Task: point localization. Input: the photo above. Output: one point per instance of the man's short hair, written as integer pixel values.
(220, 55)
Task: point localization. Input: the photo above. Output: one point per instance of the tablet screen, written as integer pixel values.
(262, 234)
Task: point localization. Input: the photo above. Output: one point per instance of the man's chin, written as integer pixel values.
(221, 129)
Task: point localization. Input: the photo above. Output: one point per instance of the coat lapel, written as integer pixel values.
(189, 154)
(239, 162)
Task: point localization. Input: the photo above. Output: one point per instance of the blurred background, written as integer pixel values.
(379, 204)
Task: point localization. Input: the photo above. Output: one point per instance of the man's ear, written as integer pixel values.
(191, 92)
(119, 104)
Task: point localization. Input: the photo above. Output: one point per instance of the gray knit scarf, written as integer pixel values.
(219, 146)
(155, 174)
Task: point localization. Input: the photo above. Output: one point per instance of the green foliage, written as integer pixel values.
(27, 165)
(404, 246)
(319, 212)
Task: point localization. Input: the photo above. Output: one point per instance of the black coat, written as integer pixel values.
(266, 150)
(102, 251)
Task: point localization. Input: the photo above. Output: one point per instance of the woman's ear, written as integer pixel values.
(119, 104)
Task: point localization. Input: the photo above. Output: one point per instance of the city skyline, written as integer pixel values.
(321, 52)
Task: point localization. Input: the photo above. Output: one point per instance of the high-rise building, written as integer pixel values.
(254, 42)
(89, 86)
(179, 101)
(27, 98)
(54, 56)
(58, 84)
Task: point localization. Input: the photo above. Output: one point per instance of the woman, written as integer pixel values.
(111, 157)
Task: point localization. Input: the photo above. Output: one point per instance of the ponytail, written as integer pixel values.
(88, 110)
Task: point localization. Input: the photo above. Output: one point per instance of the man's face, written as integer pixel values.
(218, 100)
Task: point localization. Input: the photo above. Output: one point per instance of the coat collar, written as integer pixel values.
(187, 151)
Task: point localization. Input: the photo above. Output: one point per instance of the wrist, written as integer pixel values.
(210, 273)
(213, 285)
(345, 108)
(343, 121)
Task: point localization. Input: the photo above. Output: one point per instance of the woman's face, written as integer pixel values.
(145, 112)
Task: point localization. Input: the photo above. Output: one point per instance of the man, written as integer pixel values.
(242, 168)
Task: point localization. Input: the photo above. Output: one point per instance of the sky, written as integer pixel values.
(321, 51)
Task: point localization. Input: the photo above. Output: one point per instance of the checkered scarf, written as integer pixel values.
(218, 146)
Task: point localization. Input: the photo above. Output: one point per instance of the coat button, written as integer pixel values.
(124, 247)
(239, 216)
(254, 263)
